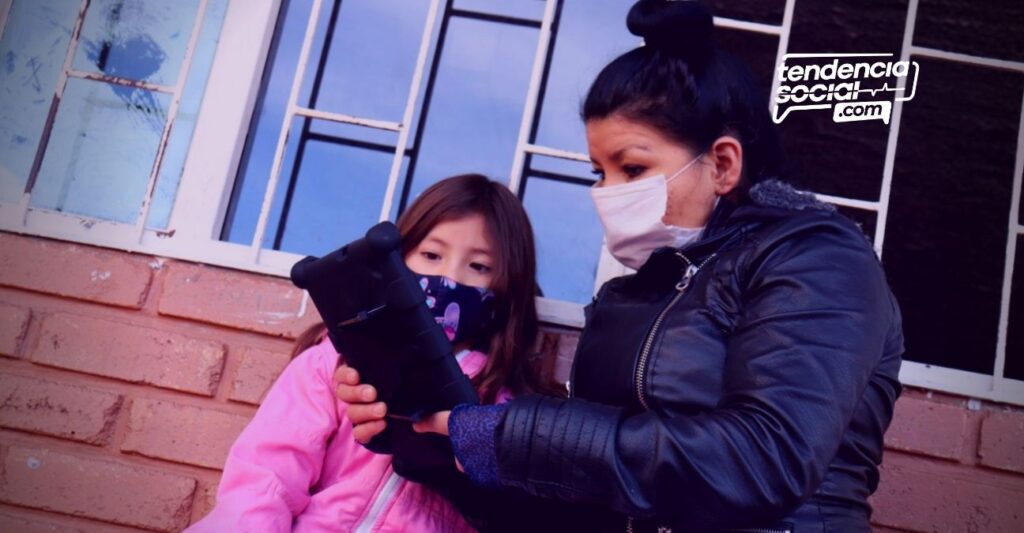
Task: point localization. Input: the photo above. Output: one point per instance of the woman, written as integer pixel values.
(745, 375)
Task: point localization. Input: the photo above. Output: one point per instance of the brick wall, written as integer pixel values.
(125, 378)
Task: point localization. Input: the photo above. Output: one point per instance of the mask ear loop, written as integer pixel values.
(685, 167)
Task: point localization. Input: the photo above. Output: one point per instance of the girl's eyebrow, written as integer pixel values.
(436, 240)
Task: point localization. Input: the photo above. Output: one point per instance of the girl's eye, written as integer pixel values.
(633, 171)
(480, 267)
(430, 256)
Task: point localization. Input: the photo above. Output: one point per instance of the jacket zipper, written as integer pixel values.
(645, 352)
(390, 489)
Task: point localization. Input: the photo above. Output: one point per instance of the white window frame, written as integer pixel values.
(223, 124)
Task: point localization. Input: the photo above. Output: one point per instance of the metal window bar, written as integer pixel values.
(894, 133)
(1013, 234)
(534, 97)
(435, 63)
(172, 114)
(282, 139)
(490, 17)
(5, 10)
(304, 135)
(756, 27)
(401, 148)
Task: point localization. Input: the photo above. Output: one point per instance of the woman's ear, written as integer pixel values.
(727, 155)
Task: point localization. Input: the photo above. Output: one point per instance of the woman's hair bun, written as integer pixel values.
(681, 28)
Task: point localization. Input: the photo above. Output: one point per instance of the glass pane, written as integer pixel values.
(337, 196)
(945, 243)
(33, 48)
(477, 104)
(136, 39)
(847, 159)
(101, 151)
(965, 26)
(370, 60)
(254, 170)
(568, 235)
(591, 33)
(181, 134)
(522, 9)
(1015, 340)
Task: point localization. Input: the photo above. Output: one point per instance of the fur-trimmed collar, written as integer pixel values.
(775, 193)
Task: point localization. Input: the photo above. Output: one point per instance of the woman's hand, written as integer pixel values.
(435, 423)
(367, 416)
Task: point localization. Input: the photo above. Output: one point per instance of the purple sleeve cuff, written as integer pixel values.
(471, 428)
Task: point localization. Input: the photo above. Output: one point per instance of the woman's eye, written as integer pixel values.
(633, 171)
(597, 172)
(480, 267)
(430, 256)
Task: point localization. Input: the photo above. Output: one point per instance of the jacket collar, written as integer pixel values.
(767, 200)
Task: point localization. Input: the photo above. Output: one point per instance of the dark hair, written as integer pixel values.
(681, 84)
(514, 283)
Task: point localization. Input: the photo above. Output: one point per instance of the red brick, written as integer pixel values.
(182, 433)
(206, 499)
(32, 525)
(237, 300)
(13, 324)
(75, 271)
(1002, 441)
(100, 489)
(29, 525)
(58, 409)
(131, 353)
(920, 494)
(256, 373)
(926, 427)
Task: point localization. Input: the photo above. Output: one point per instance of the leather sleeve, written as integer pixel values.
(816, 314)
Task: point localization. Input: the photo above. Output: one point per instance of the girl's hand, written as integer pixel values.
(366, 415)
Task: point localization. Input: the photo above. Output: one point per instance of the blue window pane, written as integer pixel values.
(591, 33)
(32, 49)
(370, 60)
(477, 104)
(337, 195)
(136, 39)
(254, 172)
(523, 9)
(184, 123)
(101, 151)
(568, 235)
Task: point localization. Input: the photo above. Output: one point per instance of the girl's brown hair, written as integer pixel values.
(510, 363)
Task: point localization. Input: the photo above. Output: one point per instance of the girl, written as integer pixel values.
(296, 465)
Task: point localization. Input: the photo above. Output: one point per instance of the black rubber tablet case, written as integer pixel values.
(377, 318)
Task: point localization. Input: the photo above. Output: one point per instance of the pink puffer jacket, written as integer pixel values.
(296, 466)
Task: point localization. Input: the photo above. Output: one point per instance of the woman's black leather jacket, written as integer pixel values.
(742, 382)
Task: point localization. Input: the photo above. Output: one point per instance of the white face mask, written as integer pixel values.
(631, 214)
